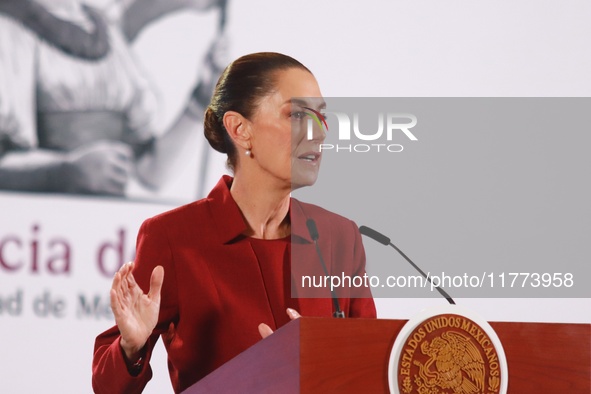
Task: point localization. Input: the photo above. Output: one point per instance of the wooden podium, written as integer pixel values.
(323, 355)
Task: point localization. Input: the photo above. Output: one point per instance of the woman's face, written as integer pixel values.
(280, 143)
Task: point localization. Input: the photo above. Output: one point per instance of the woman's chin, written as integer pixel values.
(302, 180)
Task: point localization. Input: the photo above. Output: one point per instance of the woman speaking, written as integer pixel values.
(214, 276)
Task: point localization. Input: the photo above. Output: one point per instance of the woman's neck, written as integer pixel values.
(264, 205)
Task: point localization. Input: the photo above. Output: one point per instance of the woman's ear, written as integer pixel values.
(238, 129)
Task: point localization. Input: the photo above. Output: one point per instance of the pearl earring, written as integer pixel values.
(247, 152)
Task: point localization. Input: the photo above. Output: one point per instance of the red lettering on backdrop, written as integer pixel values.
(18, 253)
(111, 255)
(15, 266)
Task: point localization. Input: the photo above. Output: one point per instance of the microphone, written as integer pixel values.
(313, 230)
(381, 238)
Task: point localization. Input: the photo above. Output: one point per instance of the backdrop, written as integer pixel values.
(140, 75)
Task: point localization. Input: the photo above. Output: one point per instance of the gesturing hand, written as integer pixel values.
(136, 313)
(265, 330)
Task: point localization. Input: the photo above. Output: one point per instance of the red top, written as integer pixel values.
(220, 285)
(274, 262)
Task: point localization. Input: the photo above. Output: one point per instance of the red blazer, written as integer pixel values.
(213, 296)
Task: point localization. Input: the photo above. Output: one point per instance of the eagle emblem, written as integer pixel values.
(448, 354)
(454, 363)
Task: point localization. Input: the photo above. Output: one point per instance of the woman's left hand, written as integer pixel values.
(265, 330)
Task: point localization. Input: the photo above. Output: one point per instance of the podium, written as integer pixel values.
(324, 355)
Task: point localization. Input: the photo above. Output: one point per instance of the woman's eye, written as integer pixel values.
(298, 115)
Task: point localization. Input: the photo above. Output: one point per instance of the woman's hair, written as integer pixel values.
(240, 88)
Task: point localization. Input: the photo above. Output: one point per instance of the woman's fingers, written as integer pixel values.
(265, 330)
(129, 276)
(136, 313)
(125, 288)
(156, 281)
(134, 289)
(114, 302)
(116, 281)
(118, 289)
(293, 314)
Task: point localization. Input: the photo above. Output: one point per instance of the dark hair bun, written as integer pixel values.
(240, 87)
(214, 131)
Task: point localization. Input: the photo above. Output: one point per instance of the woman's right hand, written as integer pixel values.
(136, 313)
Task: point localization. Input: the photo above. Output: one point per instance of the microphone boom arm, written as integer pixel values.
(381, 238)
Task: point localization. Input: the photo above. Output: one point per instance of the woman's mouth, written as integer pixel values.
(311, 157)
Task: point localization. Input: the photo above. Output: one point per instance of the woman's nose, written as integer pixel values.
(316, 129)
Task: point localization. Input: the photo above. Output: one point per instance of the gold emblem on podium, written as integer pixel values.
(449, 354)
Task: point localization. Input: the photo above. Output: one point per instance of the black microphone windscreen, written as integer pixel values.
(311, 224)
(381, 238)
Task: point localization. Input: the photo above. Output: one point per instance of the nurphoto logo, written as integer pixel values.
(388, 125)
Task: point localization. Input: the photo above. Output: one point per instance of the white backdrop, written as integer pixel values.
(370, 48)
